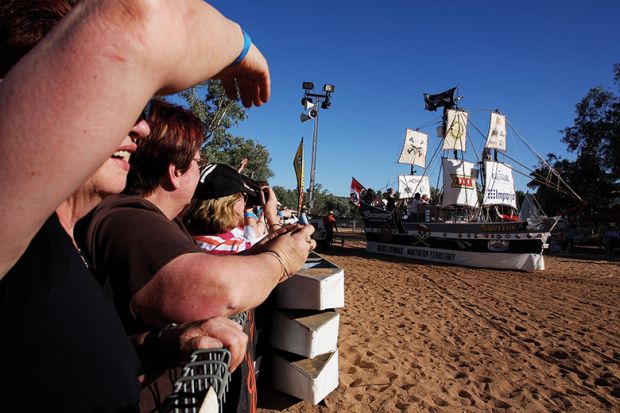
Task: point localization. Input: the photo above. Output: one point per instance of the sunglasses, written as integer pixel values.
(146, 112)
(200, 162)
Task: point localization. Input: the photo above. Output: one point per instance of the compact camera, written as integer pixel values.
(254, 200)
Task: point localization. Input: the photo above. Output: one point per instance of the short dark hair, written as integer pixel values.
(176, 135)
(24, 23)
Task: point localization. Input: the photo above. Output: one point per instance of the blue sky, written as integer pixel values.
(534, 60)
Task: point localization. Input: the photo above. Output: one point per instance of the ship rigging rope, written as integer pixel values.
(551, 169)
(547, 184)
(431, 123)
(542, 180)
(546, 181)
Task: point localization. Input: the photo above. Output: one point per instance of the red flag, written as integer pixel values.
(356, 191)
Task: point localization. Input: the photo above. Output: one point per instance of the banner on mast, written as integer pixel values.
(456, 130)
(496, 139)
(414, 148)
(459, 183)
(499, 185)
(408, 185)
(298, 164)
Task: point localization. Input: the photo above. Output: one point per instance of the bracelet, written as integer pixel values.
(273, 225)
(247, 42)
(250, 215)
(281, 261)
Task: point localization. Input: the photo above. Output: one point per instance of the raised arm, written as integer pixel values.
(66, 106)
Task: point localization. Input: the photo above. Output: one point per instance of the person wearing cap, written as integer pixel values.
(218, 216)
(330, 225)
(157, 272)
(216, 219)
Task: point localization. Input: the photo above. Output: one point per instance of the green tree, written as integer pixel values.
(218, 114)
(287, 197)
(595, 135)
(595, 138)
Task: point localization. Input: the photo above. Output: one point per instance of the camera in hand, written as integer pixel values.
(255, 186)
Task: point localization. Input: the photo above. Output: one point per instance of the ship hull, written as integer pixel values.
(495, 260)
(500, 245)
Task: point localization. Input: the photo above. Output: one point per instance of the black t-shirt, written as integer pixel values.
(62, 345)
(127, 239)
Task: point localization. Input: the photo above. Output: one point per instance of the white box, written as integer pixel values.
(318, 286)
(307, 379)
(304, 333)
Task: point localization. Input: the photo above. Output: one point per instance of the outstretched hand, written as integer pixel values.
(251, 76)
(293, 246)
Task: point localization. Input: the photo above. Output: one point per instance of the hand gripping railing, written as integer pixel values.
(206, 369)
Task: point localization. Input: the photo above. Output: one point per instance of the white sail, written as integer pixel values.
(496, 139)
(499, 185)
(408, 185)
(459, 183)
(456, 130)
(414, 148)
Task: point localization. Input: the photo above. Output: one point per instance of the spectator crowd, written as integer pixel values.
(123, 249)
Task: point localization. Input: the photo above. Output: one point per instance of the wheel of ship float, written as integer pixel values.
(386, 233)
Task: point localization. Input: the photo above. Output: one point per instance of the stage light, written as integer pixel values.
(329, 88)
(307, 85)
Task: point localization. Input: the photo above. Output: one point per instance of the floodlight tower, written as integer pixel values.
(322, 101)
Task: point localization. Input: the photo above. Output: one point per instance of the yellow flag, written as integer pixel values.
(298, 164)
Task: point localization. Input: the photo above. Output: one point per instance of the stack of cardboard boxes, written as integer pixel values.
(304, 331)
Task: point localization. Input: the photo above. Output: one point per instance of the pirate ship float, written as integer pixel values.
(469, 226)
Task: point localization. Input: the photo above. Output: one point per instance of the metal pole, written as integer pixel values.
(313, 166)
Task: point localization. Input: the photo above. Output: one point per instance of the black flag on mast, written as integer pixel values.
(443, 99)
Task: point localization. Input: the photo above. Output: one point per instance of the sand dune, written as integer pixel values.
(427, 338)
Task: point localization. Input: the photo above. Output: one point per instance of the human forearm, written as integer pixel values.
(197, 286)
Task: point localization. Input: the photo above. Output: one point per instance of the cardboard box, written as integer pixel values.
(305, 333)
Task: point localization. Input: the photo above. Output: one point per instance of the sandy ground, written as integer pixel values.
(428, 338)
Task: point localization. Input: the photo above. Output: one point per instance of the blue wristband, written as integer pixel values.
(250, 215)
(247, 42)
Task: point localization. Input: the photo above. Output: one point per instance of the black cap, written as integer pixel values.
(219, 180)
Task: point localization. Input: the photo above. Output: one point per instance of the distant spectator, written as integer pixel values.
(391, 199)
(330, 226)
(303, 217)
(413, 206)
(611, 240)
(569, 238)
